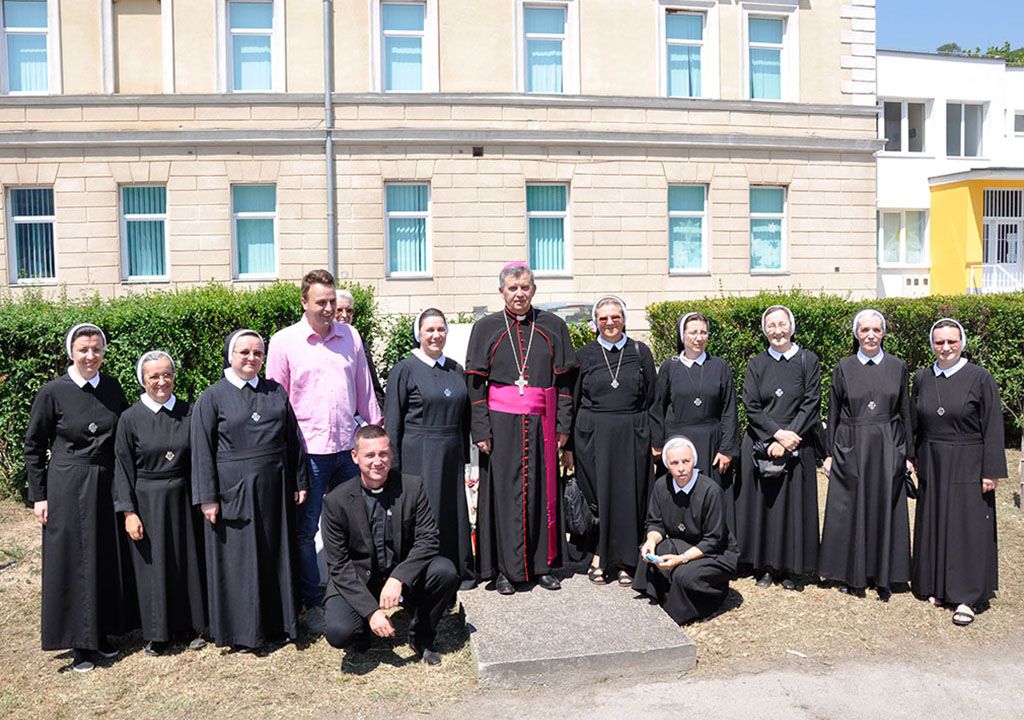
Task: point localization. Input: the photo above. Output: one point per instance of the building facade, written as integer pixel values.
(950, 175)
(652, 148)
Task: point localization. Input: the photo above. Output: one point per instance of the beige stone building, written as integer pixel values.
(653, 148)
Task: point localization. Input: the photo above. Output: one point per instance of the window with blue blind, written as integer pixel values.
(684, 38)
(31, 233)
(25, 35)
(686, 228)
(544, 37)
(143, 227)
(254, 215)
(767, 228)
(546, 216)
(403, 28)
(765, 36)
(406, 211)
(251, 29)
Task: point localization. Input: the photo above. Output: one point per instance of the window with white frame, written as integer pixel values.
(687, 228)
(765, 46)
(144, 231)
(407, 228)
(253, 45)
(26, 41)
(31, 220)
(1018, 123)
(254, 224)
(963, 129)
(548, 46)
(405, 45)
(902, 237)
(767, 229)
(684, 44)
(902, 126)
(547, 215)
(771, 49)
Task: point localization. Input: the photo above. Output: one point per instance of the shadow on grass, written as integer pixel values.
(452, 636)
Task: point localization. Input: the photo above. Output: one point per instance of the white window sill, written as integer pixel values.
(558, 275)
(410, 276)
(144, 279)
(255, 278)
(769, 272)
(696, 272)
(905, 154)
(897, 266)
(972, 158)
(35, 282)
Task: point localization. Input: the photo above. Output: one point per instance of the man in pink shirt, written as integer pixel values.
(322, 366)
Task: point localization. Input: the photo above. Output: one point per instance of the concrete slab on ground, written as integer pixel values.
(583, 632)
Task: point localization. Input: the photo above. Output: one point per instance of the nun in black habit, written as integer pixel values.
(777, 500)
(696, 398)
(689, 556)
(87, 588)
(866, 537)
(153, 488)
(247, 471)
(426, 415)
(612, 437)
(960, 458)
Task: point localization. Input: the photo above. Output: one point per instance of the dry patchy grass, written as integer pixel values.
(303, 681)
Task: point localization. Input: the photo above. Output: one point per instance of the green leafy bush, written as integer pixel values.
(189, 324)
(994, 325)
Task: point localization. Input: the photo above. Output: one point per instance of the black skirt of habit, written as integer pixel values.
(866, 536)
(88, 584)
(955, 550)
(153, 479)
(245, 456)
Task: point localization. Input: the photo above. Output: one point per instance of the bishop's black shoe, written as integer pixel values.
(503, 585)
(429, 655)
(549, 582)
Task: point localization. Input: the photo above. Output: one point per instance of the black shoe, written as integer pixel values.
(503, 586)
(467, 584)
(245, 649)
(430, 655)
(549, 582)
(789, 584)
(107, 650)
(81, 662)
(884, 594)
(852, 591)
(154, 648)
(764, 581)
(197, 643)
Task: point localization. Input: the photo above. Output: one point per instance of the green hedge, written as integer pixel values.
(189, 324)
(994, 325)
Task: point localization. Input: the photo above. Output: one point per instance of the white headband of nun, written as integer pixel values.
(685, 319)
(776, 308)
(239, 334)
(71, 334)
(679, 441)
(608, 300)
(419, 319)
(963, 333)
(149, 357)
(863, 314)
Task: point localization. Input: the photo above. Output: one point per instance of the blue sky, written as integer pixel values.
(925, 24)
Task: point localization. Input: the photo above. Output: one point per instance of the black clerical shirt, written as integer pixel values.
(378, 508)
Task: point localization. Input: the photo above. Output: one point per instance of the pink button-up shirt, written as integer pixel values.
(327, 381)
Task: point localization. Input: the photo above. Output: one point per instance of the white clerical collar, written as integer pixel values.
(607, 345)
(154, 405)
(699, 360)
(688, 486)
(519, 318)
(238, 382)
(876, 358)
(776, 355)
(373, 491)
(81, 381)
(427, 359)
(950, 371)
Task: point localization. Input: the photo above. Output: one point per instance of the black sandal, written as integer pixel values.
(596, 575)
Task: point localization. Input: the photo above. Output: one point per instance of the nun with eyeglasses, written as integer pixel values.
(612, 401)
(69, 460)
(248, 473)
(960, 459)
(777, 500)
(688, 555)
(866, 537)
(153, 489)
(426, 416)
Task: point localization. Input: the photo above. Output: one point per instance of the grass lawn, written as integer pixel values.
(762, 628)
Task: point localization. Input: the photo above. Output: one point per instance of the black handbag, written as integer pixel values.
(908, 480)
(576, 510)
(771, 468)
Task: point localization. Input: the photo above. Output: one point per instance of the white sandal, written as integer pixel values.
(963, 615)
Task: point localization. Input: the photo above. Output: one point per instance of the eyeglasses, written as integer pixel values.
(247, 353)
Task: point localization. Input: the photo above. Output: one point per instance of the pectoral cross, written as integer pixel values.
(521, 383)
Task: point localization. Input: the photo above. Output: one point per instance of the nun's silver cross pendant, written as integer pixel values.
(872, 405)
(778, 392)
(93, 427)
(255, 417)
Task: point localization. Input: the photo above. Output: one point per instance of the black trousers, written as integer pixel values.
(427, 598)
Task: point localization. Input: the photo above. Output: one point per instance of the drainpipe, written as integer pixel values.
(332, 230)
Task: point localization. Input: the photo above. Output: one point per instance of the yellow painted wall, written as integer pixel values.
(138, 65)
(195, 50)
(821, 76)
(304, 46)
(618, 42)
(957, 213)
(80, 47)
(477, 46)
(352, 46)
